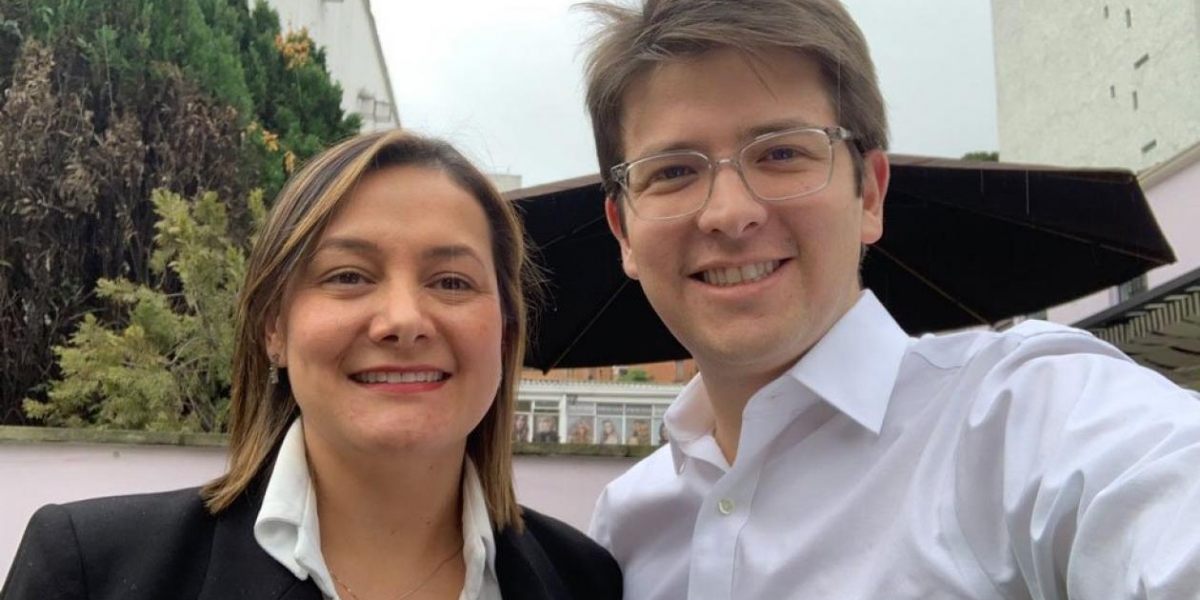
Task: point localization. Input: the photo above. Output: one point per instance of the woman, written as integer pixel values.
(547, 431)
(581, 432)
(378, 346)
(609, 433)
(520, 432)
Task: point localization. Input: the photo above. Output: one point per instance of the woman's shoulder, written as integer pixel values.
(95, 548)
(580, 563)
(96, 519)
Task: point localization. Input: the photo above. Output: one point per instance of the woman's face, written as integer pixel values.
(391, 335)
(608, 427)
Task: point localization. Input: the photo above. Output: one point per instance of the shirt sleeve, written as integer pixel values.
(600, 528)
(1099, 473)
(47, 564)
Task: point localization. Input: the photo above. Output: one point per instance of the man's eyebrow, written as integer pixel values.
(745, 135)
(773, 127)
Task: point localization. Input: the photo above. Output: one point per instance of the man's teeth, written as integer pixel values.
(394, 377)
(736, 275)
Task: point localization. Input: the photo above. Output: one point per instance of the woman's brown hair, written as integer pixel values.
(261, 412)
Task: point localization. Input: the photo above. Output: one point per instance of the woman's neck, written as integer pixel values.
(386, 523)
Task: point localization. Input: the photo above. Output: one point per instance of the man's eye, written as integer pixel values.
(781, 153)
(672, 172)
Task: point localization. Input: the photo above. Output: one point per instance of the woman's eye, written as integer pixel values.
(453, 283)
(346, 278)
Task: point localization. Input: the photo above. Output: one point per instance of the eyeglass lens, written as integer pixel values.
(776, 167)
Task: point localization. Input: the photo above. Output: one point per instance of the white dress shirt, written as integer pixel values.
(1034, 463)
(288, 530)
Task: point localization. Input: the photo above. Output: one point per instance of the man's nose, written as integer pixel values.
(732, 209)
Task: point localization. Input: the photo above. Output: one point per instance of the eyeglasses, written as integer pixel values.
(778, 166)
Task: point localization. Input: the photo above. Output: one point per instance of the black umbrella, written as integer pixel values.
(965, 243)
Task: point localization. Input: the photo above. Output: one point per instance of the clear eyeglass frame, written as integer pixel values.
(620, 173)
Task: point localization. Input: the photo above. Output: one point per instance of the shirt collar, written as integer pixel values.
(853, 368)
(479, 542)
(689, 421)
(288, 530)
(855, 365)
(287, 526)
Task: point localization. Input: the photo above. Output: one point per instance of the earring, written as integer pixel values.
(273, 371)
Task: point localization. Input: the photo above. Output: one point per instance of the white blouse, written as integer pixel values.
(288, 530)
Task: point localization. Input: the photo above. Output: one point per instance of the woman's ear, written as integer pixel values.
(276, 341)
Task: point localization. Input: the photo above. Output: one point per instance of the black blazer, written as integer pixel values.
(167, 546)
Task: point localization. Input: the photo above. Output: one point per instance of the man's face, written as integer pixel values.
(746, 333)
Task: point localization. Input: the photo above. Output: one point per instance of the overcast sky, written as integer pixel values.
(502, 80)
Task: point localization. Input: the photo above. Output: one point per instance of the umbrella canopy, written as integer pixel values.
(965, 243)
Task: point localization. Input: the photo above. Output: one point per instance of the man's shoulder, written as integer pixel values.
(637, 497)
(1026, 340)
(650, 477)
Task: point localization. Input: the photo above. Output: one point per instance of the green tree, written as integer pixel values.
(168, 367)
(635, 376)
(982, 156)
(102, 102)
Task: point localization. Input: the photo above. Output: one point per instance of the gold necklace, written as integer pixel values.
(338, 580)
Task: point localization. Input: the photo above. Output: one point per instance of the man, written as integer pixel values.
(822, 452)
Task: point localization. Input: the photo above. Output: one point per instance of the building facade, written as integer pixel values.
(592, 412)
(1090, 83)
(1095, 83)
(346, 30)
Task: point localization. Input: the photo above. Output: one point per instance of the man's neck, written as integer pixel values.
(728, 397)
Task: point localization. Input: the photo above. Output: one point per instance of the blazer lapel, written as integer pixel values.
(523, 570)
(239, 569)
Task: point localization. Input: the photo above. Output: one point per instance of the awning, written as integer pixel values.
(1159, 328)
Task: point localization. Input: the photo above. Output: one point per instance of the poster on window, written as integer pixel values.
(610, 423)
(637, 425)
(581, 422)
(545, 428)
(520, 428)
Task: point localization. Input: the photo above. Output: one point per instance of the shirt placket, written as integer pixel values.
(725, 511)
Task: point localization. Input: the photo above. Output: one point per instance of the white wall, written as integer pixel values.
(34, 474)
(1066, 75)
(344, 28)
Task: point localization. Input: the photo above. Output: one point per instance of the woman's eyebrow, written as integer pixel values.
(350, 244)
(450, 252)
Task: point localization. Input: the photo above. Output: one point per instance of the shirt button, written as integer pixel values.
(725, 506)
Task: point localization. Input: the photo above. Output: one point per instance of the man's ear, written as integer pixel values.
(276, 341)
(616, 224)
(876, 175)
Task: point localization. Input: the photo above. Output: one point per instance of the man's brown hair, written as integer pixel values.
(633, 41)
